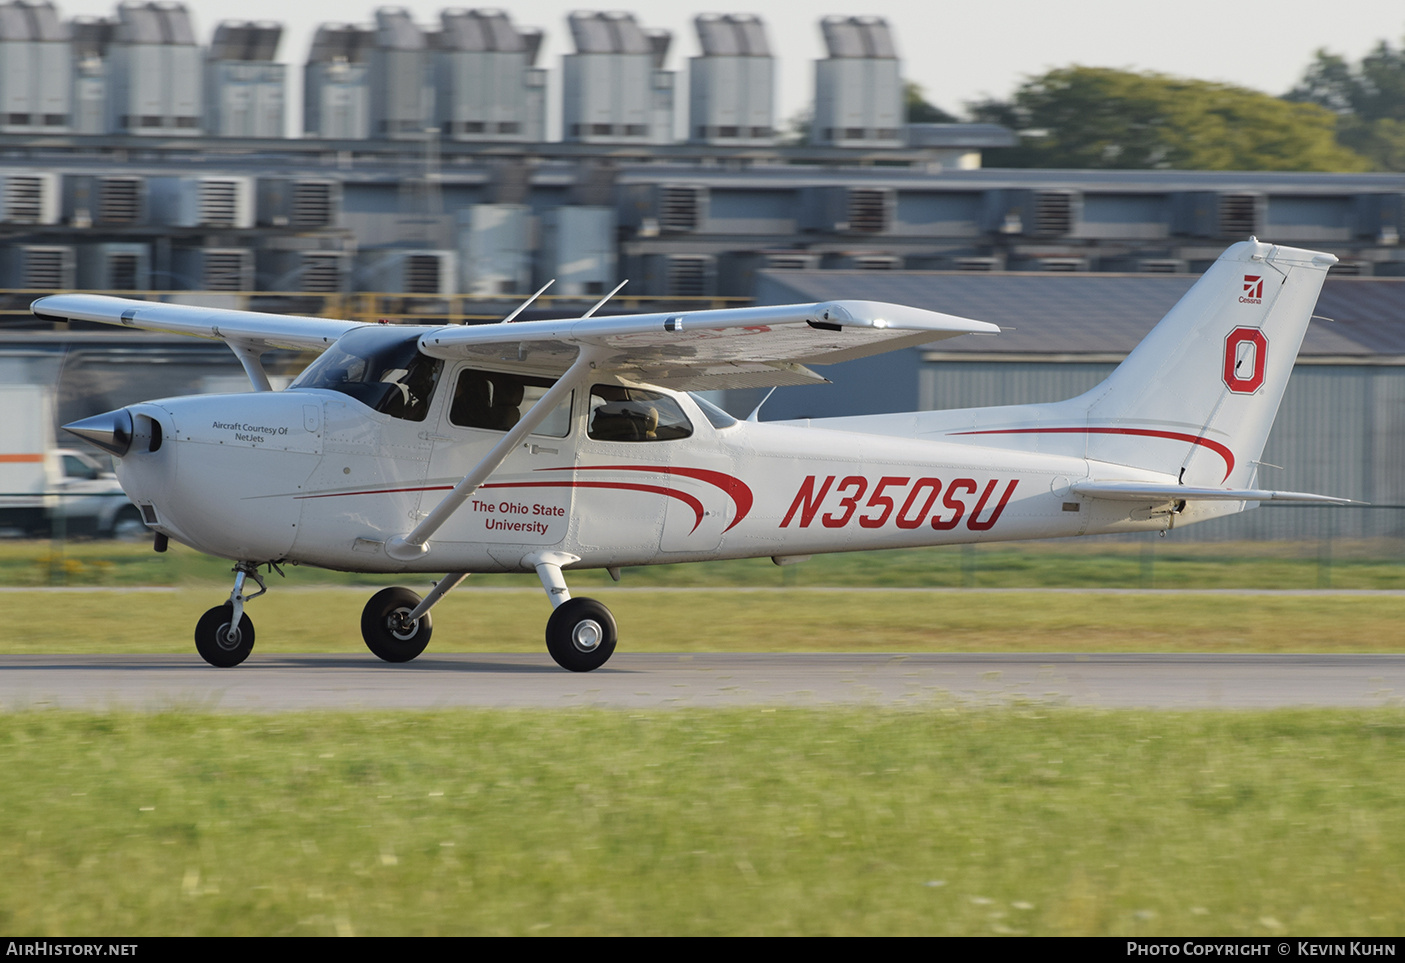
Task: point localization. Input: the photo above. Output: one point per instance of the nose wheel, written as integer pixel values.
(221, 639)
(224, 636)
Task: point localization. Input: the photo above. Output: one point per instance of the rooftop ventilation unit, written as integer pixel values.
(92, 200)
(790, 261)
(36, 80)
(689, 275)
(1161, 265)
(323, 272)
(615, 89)
(30, 199)
(848, 210)
(486, 88)
(578, 249)
(414, 271)
(1222, 215)
(115, 267)
(858, 87)
(216, 268)
(336, 84)
(680, 208)
(39, 267)
(1054, 213)
(121, 201)
(1239, 215)
(299, 203)
(217, 202)
(1060, 265)
(730, 87)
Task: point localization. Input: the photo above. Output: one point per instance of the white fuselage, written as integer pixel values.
(314, 476)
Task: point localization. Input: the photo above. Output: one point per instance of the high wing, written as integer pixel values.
(706, 350)
(698, 350)
(250, 328)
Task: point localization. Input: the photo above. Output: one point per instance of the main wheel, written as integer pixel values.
(580, 635)
(385, 630)
(212, 639)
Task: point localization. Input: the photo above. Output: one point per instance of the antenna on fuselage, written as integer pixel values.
(601, 303)
(527, 303)
(756, 412)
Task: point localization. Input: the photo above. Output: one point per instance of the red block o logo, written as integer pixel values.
(1245, 356)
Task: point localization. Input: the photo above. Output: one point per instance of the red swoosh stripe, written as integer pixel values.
(1219, 449)
(689, 500)
(736, 489)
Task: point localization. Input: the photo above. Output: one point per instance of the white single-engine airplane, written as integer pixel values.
(542, 445)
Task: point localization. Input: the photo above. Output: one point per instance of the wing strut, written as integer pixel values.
(405, 548)
(251, 357)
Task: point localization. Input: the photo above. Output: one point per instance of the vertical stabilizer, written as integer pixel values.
(1195, 400)
(1202, 389)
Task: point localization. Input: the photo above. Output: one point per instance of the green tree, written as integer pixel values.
(919, 110)
(1368, 99)
(1093, 117)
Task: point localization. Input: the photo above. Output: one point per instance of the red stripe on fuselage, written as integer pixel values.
(1219, 449)
(736, 489)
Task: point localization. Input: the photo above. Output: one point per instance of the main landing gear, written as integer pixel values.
(580, 635)
(395, 624)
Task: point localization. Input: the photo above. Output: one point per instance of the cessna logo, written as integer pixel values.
(1245, 354)
(1253, 290)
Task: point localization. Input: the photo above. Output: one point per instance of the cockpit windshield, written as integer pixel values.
(381, 367)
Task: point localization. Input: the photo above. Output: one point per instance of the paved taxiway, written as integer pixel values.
(643, 680)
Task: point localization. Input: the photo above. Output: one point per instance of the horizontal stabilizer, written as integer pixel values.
(1137, 492)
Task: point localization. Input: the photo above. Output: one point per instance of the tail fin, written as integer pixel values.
(1213, 370)
(1197, 397)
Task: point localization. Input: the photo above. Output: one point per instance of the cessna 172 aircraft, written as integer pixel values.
(547, 445)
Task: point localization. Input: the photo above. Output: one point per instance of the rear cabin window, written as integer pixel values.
(497, 401)
(618, 413)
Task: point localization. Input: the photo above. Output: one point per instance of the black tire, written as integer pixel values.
(383, 637)
(581, 635)
(211, 637)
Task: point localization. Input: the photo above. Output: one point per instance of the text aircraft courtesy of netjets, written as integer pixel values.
(540, 446)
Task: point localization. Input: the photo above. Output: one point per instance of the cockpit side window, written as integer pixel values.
(379, 367)
(618, 413)
(497, 400)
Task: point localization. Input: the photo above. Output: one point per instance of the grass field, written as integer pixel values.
(949, 820)
(1095, 563)
(759, 821)
(729, 620)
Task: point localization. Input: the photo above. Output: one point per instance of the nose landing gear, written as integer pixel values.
(224, 636)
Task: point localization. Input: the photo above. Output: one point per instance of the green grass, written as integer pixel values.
(748, 821)
(726, 620)
(1150, 563)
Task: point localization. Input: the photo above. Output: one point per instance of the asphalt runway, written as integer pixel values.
(636, 681)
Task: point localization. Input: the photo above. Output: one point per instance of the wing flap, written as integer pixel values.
(241, 327)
